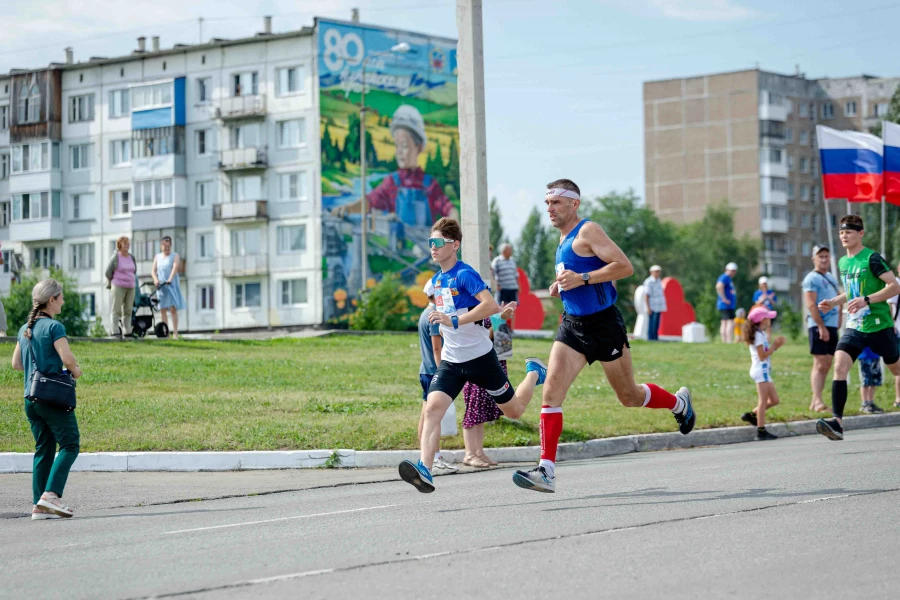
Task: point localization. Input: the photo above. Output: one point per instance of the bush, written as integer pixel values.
(97, 329)
(791, 321)
(18, 304)
(384, 307)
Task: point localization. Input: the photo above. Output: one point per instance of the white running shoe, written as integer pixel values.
(443, 467)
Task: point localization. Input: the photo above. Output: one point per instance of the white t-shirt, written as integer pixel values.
(760, 366)
(455, 293)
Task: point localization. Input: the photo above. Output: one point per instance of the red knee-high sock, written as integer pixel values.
(656, 397)
(551, 429)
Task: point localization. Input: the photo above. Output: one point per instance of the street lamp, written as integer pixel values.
(401, 48)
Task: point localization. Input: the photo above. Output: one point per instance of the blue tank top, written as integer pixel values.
(586, 299)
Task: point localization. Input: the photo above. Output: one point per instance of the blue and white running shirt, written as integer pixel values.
(454, 295)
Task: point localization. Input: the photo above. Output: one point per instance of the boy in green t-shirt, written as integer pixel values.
(868, 283)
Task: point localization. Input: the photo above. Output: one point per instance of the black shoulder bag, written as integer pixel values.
(54, 391)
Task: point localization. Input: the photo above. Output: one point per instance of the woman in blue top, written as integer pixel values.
(43, 343)
(166, 266)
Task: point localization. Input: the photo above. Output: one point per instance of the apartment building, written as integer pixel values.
(215, 145)
(748, 138)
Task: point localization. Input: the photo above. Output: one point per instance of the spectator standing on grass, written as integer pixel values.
(43, 344)
(870, 378)
(430, 345)
(819, 285)
(764, 296)
(507, 275)
(726, 302)
(655, 300)
(121, 276)
(756, 335)
(480, 406)
(166, 266)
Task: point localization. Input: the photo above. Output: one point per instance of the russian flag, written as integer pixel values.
(891, 134)
(852, 164)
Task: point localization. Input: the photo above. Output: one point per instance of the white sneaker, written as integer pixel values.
(442, 466)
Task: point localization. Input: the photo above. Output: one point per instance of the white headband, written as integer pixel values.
(563, 193)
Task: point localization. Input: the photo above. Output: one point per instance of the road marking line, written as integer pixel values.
(337, 512)
(824, 498)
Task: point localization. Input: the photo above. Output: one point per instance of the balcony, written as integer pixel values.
(773, 169)
(780, 284)
(243, 159)
(242, 107)
(239, 212)
(158, 167)
(770, 196)
(36, 230)
(774, 225)
(162, 217)
(770, 112)
(245, 266)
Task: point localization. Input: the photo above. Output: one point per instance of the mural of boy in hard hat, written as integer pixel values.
(416, 198)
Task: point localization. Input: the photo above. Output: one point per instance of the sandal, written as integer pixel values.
(59, 509)
(39, 513)
(819, 408)
(487, 459)
(476, 461)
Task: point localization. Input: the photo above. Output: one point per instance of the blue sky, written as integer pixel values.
(563, 78)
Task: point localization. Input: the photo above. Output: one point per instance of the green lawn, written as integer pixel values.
(363, 392)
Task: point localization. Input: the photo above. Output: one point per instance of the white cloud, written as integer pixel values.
(702, 10)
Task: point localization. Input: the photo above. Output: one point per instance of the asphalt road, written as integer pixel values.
(799, 517)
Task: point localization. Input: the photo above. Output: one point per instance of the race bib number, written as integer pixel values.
(854, 321)
(560, 267)
(444, 302)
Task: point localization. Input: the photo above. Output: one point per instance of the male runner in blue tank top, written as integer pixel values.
(587, 262)
(462, 302)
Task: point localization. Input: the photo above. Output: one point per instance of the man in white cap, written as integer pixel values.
(655, 300)
(430, 345)
(764, 296)
(726, 302)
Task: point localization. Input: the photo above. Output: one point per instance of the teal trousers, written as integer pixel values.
(51, 427)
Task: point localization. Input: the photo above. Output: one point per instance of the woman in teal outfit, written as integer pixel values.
(166, 266)
(43, 343)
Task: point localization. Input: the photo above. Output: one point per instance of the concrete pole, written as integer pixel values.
(364, 208)
(472, 137)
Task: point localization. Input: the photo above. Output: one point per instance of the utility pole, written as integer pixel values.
(472, 137)
(200, 24)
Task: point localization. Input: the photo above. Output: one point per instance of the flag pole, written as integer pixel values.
(831, 240)
(882, 226)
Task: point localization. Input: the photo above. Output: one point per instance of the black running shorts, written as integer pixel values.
(883, 343)
(820, 348)
(484, 371)
(600, 336)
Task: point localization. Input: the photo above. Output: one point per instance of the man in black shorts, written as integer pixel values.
(726, 302)
(819, 285)
(869, 282)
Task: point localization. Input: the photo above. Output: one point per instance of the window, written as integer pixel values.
(119, 104)
(245, 84)
(157, 142)
(292, 186)
(202, 139)
(120, 153)
(772, 155)
(790, 162)
(806, 249)
(33, 157)
(814, 193)
(812, 111)
(790, 191)
(804, 192)
(293, 292)
(81, 108)
(5, 216)
(827, 110)
(290, 80)
(205, 246)
(804, 138)
(791, 247)
(206, 298)
(82, 256)
(89, 301)
(804, 111)
(778, 184)
(204, 90)
(775, 99)
(789, 135)
(791, 219)
(4, 166)
(7, 258)
(291, 133)
(36, 206)
(81, 157)
(804, 221)
(43, 257)
(155, 192)
(244, 242)
(850, 109)
(881, 109)
(815, 223)
(151, 96)
(773, 129)
(245, 136)
(4, 118)
(814, 166)
(204, 193)
(247, 295)
(769, 211)
(244, 189)
(30, 104)
(291, 239)
(120, 202)
(82, 206)
(804, 164)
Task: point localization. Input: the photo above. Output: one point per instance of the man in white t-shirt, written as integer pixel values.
(655, 300)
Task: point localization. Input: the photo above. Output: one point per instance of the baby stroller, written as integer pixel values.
(143, 313)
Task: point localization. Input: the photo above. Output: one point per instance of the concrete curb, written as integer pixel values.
(13, 462)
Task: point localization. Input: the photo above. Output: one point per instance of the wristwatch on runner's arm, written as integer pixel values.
(586, 278)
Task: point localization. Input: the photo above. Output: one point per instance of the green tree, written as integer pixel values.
(530, 251)
(452, 174)
(18, 304)
(385, 307)
(496, 233)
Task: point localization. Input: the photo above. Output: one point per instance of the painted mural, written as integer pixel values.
(412, 155)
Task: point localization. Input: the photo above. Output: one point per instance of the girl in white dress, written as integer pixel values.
(756, 335)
